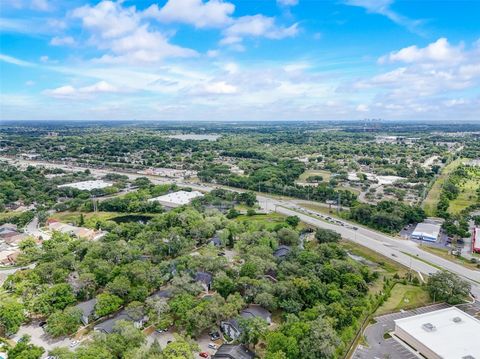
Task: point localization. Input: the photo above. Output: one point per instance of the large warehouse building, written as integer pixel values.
(426, 231)
(176, 199)
(443, 334)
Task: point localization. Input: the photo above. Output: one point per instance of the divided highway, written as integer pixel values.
(404, 252)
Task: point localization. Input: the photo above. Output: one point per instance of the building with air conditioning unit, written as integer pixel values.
(441, 334)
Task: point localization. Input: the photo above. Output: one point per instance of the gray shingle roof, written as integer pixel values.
(229, 351)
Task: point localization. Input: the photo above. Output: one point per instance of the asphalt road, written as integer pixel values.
(404, 252)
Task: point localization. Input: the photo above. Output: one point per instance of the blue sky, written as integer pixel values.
(239, 60)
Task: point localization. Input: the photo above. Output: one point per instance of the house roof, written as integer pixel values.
(234, 352)
(87, 307)
(108, 325)
(256, 311)
(282, 251)
(203, 277)
(162, 293)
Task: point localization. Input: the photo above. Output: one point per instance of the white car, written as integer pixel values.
(213, 346)
(74, 343)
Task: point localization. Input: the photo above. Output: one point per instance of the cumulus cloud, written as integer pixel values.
(438, 51)
(61, 41)
(256, 26)
(69, 91)
(209, 14)
(121, 31)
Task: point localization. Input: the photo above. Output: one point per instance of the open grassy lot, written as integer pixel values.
(325, 174)
(444, 253)
(269, 220)
(430, 202)
(91, 218)
(385, 264)
(404, 297)
(468, 194)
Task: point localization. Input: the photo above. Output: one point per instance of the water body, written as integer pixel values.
(195, 137)
(132, 218)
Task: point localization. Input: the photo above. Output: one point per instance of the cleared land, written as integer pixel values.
(430, 202)
(468, 192)
(404, 297)
(325, 174)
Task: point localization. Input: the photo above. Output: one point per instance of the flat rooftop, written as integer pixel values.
(177, 198)
(427, 229)
(449, 333)
(87, 185)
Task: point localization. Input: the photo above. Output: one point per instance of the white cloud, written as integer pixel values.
(61, 41)
(41, 5)
(69, 91)
(438, 51)
(121, 31)
(209, 14)
(382, 7)
(108, 19)
(220, 87)
(15, 61)
(256, 26)
(287, 2)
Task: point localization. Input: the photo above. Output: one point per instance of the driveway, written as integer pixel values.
(40, 338)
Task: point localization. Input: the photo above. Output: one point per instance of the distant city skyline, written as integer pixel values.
(240, 60)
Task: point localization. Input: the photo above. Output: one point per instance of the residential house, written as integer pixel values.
(108, 325)
(205, 279)
(88, 310)
(230, 351)
(216, 241)
(231, 327)
(282, 251)
(9, 257)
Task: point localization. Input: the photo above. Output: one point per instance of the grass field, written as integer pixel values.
(444, 253)
(90, 218)
(467, 195)
(404, 297)
(325, 174)
(389, 266)
(269, 220)
(430, 202)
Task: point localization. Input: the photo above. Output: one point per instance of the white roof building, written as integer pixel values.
(443, 334)
(426, 231)
(87, 185)
(176, 199)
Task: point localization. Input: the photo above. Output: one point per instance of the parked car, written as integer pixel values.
(214, 336)
(204, 355)
(213, 346)
(42, 324)
(74, 343)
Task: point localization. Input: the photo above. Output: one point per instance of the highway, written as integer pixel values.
(404, 252)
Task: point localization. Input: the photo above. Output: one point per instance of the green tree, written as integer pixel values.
(25, 350)
(106, 304)
(321, 341)
(293, 221)
(57, 297)
(253, 329)
(63, 323)
(12, 315)
(448, 287)
(179, 348)
(327, 236)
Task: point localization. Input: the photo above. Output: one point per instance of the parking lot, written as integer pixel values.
(40, 338)
(381, 345)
